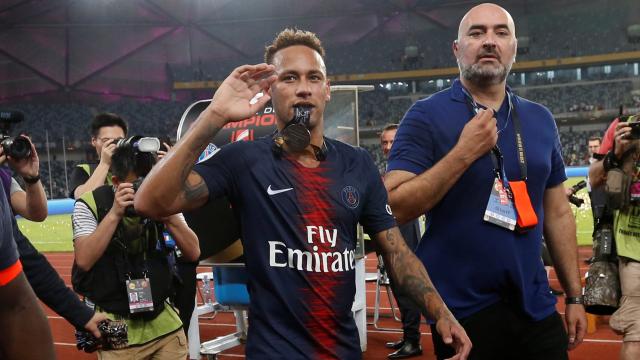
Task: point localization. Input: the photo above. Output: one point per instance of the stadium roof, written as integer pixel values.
(124, 46)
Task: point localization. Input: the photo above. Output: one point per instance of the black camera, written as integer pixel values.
(17, 147)
(137, 183)
(576, 200)
(114, 336)
(635, 131)
(131, 211)
(142, 152)
(634, 123)
(574, 189)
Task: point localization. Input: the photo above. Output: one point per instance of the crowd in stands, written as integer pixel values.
(376, 109)
(596, 96)
(51, 123)
(382, 105)
(159, 119)
(593, 29)
(54, 122)
(574, 145)
(589, 29)
(71, 120)
(55, 186)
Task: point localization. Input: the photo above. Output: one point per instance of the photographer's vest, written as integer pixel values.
(627, 219)
(137, 250)
(90, 168)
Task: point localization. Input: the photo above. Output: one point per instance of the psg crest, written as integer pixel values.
(350, 197)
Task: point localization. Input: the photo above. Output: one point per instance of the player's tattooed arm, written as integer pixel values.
(409, 275)
(194, 190)
(412, 279)
(172, 186)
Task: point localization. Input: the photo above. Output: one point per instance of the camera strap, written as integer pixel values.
(138, 287)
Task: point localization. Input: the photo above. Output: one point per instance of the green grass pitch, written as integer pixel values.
(54, 234)
(584, 218)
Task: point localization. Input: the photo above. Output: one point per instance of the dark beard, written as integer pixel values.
(483, 77)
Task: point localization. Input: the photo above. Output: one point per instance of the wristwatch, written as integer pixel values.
(31, 180)
(574, 300)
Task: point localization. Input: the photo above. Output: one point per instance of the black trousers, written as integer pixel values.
(186, 292)
(409, 312)
(410, 316)
(502, 332)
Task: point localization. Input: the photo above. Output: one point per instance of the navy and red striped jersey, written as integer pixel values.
(298, 230)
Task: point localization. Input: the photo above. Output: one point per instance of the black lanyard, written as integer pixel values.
(496, 154)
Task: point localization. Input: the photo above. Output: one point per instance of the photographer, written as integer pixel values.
(31, 204)
(123, 264)
(621, 150)
(106, 130)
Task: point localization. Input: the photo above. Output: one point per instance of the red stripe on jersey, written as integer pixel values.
(317, 210)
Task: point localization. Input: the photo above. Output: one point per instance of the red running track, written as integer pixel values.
(603, 344)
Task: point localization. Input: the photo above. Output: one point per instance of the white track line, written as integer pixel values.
(231, 355)
(429, 334)
(225, 325)
(64, 344)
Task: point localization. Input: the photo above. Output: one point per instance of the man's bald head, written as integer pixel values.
(483, 11)
(486, 45)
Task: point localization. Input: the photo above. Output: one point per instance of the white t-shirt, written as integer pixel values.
(15, 186)
(82, 220)
(84, 223)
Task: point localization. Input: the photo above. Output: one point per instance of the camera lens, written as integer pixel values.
(21, 148)
(18, 147)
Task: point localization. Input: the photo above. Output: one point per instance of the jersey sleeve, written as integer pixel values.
(376, 214)
(217, 170)
(557, 174)
(412, 148)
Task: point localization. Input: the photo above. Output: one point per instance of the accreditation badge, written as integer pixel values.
(139, 293)
(500, 209)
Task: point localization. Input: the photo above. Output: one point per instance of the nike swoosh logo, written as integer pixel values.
(274, 192)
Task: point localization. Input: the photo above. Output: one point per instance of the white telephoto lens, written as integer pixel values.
(148, 144)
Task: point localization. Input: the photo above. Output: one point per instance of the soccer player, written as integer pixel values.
(299, 197)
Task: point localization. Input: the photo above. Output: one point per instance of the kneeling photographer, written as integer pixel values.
(125, 264)
(618, 172)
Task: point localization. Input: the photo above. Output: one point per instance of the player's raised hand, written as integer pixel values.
(236, 97)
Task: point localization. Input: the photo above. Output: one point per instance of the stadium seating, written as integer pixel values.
(586, 30)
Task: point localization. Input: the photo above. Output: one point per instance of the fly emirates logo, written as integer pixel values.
(313, 261)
